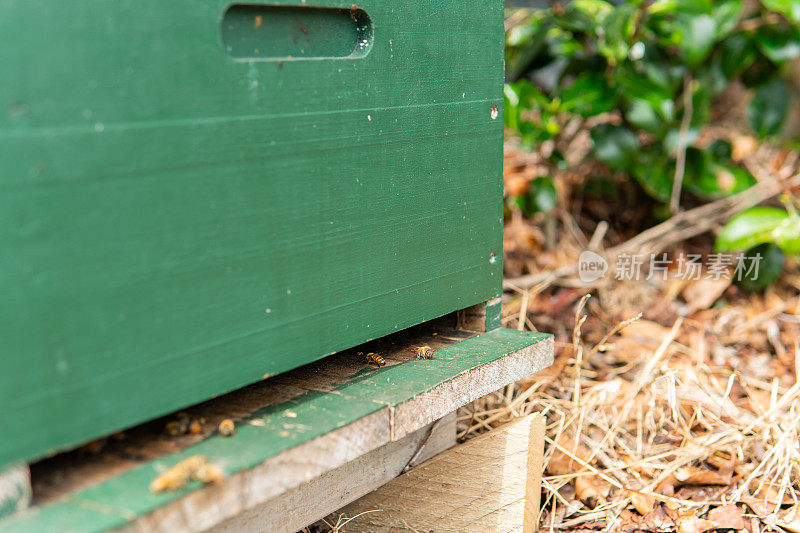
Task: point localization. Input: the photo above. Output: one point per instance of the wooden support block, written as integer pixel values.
(484, 316)
(489, 484)
(317, 498)
(533, 483)
(15, 489)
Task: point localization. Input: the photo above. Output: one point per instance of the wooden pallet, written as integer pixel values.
(292, 430)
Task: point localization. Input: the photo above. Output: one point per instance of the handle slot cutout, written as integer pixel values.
(288, 33)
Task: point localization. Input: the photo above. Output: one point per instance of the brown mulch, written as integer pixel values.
(673, 405)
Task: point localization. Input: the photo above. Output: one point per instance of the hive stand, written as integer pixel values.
(490, 483)
(307, 442)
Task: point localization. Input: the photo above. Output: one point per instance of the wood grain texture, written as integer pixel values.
(317, 498)
(533, 482)
(281, 446)
(177, 223)
(480, 486)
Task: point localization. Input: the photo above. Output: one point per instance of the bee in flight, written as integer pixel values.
(424, 352)
(376, 359)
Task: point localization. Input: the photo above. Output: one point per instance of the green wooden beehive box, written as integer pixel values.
(196, 195)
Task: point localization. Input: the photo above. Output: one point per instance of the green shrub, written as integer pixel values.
(644, 76)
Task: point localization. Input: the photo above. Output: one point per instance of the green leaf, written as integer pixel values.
(642, 115)
(561, 44)
(759, 267)
(734, 179)
(779, 42)
(768, 107)
(701, 104)
(699, 177)
(789, 8)
(655, 175)
(618, 28)
(750, 228)
(706, 178)
(737, 54)
(637, 87)
(521, 97)
(654, 171)
(511, 107)
(525, 44)
(584, 15)
(667, 7)
(597, 9)
(695, 35)
(588, 96)
(760, 71)
(712, 77)
(542, 195)
(726, 14)
(787, 235)
(720, 150)
(615, 145)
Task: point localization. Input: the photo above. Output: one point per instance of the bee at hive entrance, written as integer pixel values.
(376, 359)
(424, 352)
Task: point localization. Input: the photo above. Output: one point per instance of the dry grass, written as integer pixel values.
(672, 405)
(650, 431)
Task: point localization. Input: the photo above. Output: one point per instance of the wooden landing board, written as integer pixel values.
(291, 429)
(490, 484)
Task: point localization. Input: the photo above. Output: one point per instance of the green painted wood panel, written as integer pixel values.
(176, 222)
(122, 499)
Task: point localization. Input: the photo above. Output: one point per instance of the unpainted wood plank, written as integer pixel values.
(317, 498)
(533, 483)
(15, 489)
(486, 485)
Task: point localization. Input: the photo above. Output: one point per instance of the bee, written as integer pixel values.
(179, 426)
(209, 473)
(376, 359)
(196, 426)
(195, 468)
(424, 352)
(227, 428)
(184, 424)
